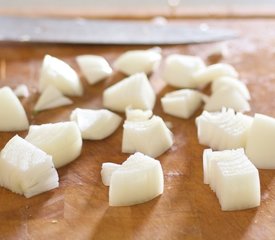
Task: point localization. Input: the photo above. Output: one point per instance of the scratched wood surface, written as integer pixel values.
(188, 209)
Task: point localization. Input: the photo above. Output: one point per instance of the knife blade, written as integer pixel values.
(118, 32)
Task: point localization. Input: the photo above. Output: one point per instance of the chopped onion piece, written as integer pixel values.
(134, 91)
(138, 114)
(107, 170)
(58, 73)
(210, 157)
(151, 137)
(223, 130)
(95, 124)
(25, 169)
(212, 72)
(139, 179)
(229, 98)
(217, 52)
(136, 61)
(60, 140)
(179, 70)
(231, 83)
(236, 179)
(94, 68)
(181, 103)
(21, 91)
(50, 98)
(12, 114)
(260, 142)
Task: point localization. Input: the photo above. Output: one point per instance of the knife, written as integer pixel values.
(118, 32)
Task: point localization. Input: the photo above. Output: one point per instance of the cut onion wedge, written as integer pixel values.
(181, 103)
(223, 130)
(95, 124)
(134, 91)
(58, 73)
(94, 68)
(21, 91)
(12, 114)
(138, 114)
(260, 142)
(136, 61)
(50, 98)
(150, 137)
(60, 140)
(236, 180)
(229, 98)
(212, 72)
(210, 157)
(107, 170)
(179, 70)
(25, 169)
(231, 83)
(139, 179)
(216, 53)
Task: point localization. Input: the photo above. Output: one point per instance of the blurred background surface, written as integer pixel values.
(129, 3)
(142, 8)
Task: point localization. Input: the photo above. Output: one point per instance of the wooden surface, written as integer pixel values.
(139, 11)
(188, 209)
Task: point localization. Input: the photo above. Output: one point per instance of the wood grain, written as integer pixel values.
(188, 209)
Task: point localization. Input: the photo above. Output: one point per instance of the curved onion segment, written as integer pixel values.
(21, 91)
(212, 72)
(95, 124)
(12, 114)
(179, 70)
(136, 61)
(234, 179)
(260, 142)
(229, 98)
(94, 68)
(231, 83)
(134, 91)
(25, 169)
(150, 137)
(182, 103)
(58, 73)
(210, 157)
(139, 179)
(60, 140)
(106, 172)
(217, 52)
(50, 98)
(223, 130)
(138, 114)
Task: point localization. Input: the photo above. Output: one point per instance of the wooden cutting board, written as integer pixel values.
(188, 209)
